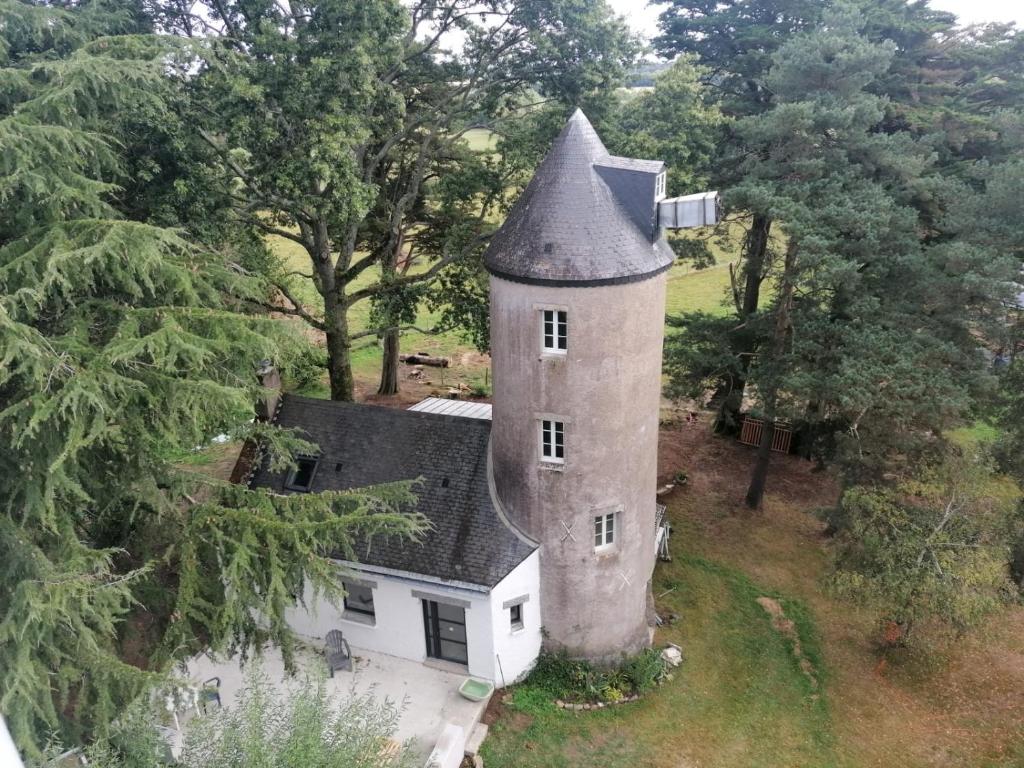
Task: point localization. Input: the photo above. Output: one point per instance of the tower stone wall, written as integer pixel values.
(606, 388)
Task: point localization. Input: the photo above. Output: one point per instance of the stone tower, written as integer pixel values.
(577, 317)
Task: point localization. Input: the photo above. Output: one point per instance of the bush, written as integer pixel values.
(268, 728)
(644, 669)
(559, 675)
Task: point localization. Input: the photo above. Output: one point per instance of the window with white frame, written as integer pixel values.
(604, 530)
(659, 186)
(552, 441)
(554, 330)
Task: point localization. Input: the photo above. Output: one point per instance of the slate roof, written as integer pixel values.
(586, 218)
(363, 445)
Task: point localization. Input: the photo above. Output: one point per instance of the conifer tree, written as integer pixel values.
(124, 345)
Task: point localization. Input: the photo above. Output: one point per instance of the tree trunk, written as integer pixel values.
(389, 365)
(389, 361)
(744, 346)
(759, 477)
(339, 349)
(770, 393)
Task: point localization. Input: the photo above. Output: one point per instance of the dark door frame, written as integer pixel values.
(432, 625)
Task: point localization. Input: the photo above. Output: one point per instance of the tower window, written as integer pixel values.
(554, 331)
(659, 186)
(552, 441)
(604, 530)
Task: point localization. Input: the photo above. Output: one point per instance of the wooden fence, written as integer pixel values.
(754, 428)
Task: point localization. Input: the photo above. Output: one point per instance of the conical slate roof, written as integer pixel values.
(586, 218)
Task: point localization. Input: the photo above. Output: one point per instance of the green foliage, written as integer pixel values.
(643, 670)
(674, 123)
(267, 728)
(300, 729)
(558, 676)
(339, 126)
(1009, 448)
(936, 547)
(124, 344)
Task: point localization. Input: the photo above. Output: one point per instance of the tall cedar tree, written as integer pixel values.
(122, 346)
(331, 120)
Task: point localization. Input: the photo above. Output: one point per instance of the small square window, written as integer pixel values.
(552, 441)
(516, 616)
(358, 599)
(555, 330)
(301, 478)
(604, 530)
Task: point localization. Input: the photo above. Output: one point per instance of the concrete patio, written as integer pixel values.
(430, 695)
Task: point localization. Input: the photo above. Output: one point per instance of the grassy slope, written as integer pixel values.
(739, 698)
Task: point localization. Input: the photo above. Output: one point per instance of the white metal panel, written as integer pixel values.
(699, 210)
(465, 408)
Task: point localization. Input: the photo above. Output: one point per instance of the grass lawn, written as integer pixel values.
(739, 698)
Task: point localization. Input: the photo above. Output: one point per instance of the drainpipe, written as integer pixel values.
(500, 670)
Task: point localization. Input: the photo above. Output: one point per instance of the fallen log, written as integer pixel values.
(421, 358)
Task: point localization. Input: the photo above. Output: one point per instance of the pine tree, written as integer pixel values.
(122, 346)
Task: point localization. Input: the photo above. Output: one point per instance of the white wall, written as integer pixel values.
(517, 650)
(398, 626)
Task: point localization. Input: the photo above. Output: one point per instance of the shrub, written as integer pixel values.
(306, 368)
(559, 675)
(644, 669)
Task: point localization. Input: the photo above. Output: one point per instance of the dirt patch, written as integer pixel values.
(787, 629)
(510, 718)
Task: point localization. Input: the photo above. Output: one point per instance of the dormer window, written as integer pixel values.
(554, 330)
(301, 478)
(659, 186)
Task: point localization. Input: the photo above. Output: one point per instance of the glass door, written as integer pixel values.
(445, 626)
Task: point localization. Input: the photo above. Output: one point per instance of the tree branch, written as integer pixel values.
(382, 331)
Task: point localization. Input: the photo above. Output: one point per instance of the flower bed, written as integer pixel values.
(579, 685)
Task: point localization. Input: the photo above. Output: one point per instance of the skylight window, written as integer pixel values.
(301, 478)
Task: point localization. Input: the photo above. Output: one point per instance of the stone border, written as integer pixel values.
(588, 706)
